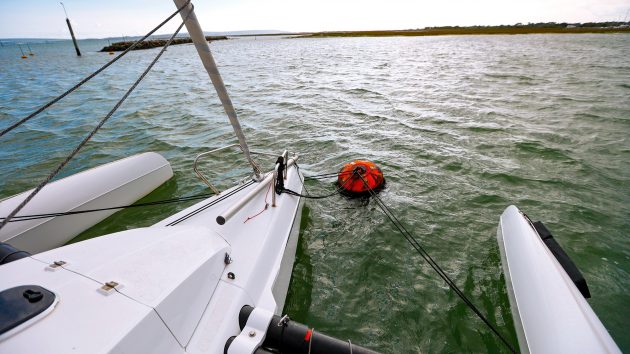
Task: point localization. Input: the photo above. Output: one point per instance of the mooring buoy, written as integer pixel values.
(359, 177)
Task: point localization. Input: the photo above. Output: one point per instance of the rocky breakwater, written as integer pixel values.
(153, 43)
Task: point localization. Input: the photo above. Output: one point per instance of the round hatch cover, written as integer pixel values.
(20, 304)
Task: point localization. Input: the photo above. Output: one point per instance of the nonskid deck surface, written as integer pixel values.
(177, 289)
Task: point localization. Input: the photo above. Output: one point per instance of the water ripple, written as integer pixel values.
(461, 126)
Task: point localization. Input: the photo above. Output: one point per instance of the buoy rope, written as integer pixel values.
(328, 175)
(308, 195)
(89, 77)
(91, 134)
(425, 255)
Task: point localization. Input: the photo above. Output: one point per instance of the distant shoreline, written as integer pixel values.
(467, 31)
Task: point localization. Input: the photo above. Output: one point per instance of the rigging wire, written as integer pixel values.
(157, 202)
(220, 198)
(89, 77)
(384, 208)
(29, 217)
(425, 255)
(395, 221)
(91, 134)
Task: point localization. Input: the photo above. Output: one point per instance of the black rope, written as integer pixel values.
(153, 203)
(212, 203)
(425, 255)
(156, 202)
(308, 196)
(87, 138)
(89, 77)
(327, 175)
(280, 189)
(414, 243)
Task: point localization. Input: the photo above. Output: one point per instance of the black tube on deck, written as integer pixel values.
(9, 253)
(295, 338)
(74, 40)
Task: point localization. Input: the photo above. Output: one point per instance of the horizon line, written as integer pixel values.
(283, 32)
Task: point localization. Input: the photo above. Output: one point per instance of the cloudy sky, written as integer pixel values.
(113, 18)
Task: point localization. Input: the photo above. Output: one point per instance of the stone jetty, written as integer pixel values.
(154, 43)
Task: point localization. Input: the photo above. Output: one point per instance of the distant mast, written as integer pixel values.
(74, 40)
(23, 55)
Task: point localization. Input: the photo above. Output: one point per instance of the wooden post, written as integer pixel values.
(74, 40)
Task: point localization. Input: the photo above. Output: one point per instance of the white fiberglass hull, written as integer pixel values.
(117, 183)
(550, 314)
(176, 291)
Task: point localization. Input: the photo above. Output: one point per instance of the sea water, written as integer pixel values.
(462, 127)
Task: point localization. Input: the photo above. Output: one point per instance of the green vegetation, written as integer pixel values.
(153, 43)
(530, 28)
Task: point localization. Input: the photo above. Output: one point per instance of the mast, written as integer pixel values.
(203, 49)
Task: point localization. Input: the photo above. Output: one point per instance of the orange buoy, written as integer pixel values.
(357, 178)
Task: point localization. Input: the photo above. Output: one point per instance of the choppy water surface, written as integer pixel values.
(461, 126)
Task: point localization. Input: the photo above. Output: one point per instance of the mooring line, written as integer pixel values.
(425, 255)
(309, 195)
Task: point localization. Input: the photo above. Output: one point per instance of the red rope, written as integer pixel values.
(263, 210)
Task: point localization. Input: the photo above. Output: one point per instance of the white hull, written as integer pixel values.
(550, 314)
(175, 292)
(117, 183)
